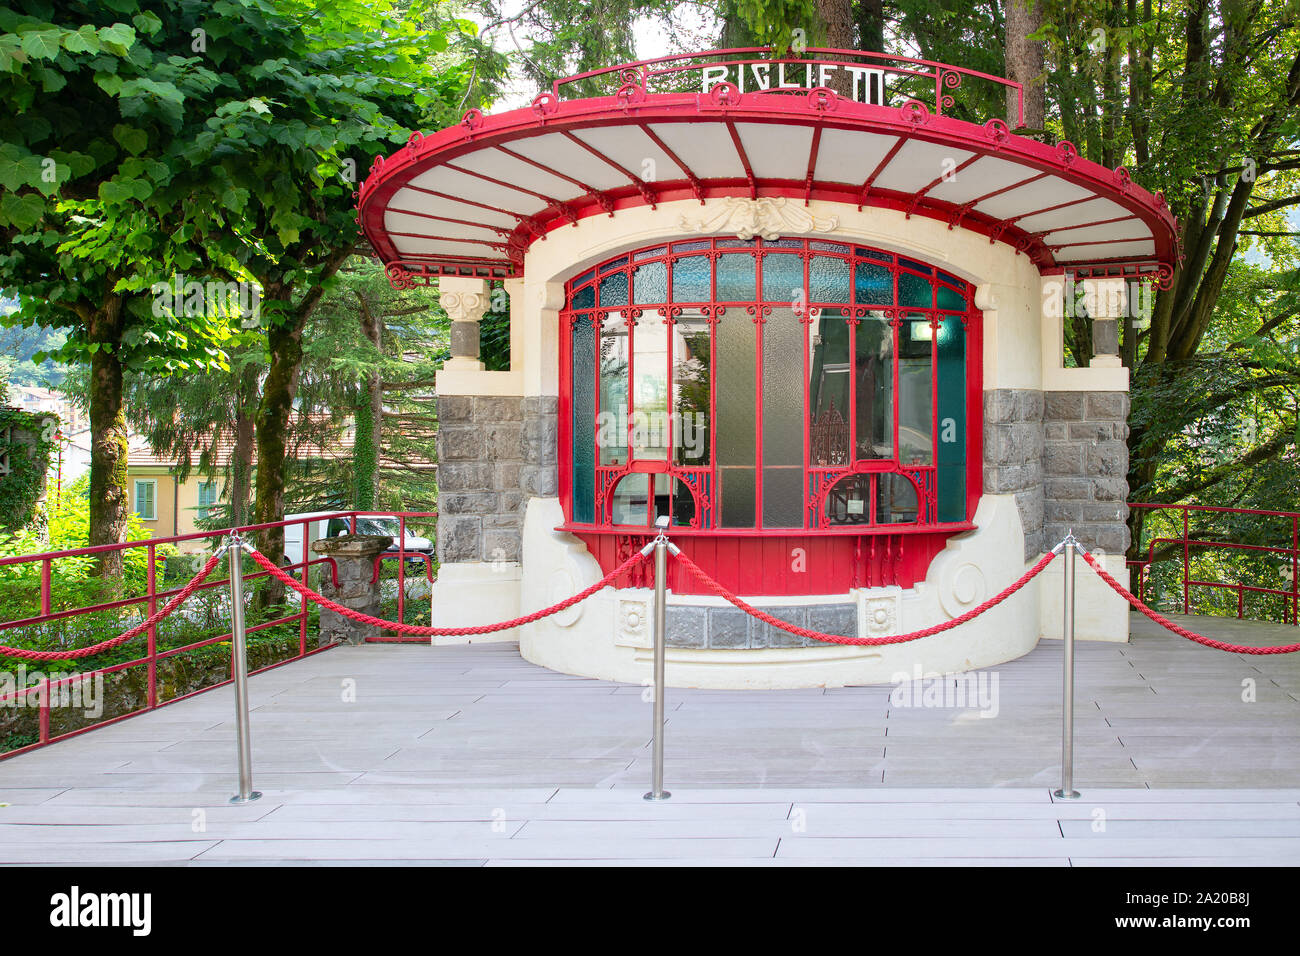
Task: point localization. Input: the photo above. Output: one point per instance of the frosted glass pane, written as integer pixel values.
(783, 338)
(914, 291)
(650, 283)
(782, 277)
(828, 280)
(829, 375)
(873, 284)
(951, 299)
(874, 347)
(691, 279)
(736, 278)
(736, 492)
(584, 298)
(613, 290)
(583, 365)
(691, 382)
(630, 502)
(783, 497)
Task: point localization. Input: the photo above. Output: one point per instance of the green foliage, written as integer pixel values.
(27, 443)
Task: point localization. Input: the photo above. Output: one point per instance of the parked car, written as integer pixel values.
(320, 525)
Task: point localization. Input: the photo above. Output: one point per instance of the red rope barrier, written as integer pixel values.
(722, 592)
(139, 629)
(424, 630)
(1182, 631)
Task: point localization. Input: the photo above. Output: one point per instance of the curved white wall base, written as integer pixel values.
(608, 636)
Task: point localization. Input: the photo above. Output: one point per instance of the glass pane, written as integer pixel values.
(691, 246)
(613, 290)
(951, 299)
(828, 390)
(691, 381)
(611, 431)
(915, 291)
(950, 346)
(683, 503)
(649, 253)
(873, 284)
(736, 278)
(849, 501)
(583, 365)
(735, 410)
(615, 264)
(650, 389)
(783, 344)
(828, 279)
(584, 298)
(895, 500)
(691, 279)
(631, 500)
(782, 277)
(874, 348)
(650, 283)
(915, 383)
(918, 266)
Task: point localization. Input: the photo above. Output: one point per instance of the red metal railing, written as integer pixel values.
(1184, 542)
(150, 600)
(754, 68)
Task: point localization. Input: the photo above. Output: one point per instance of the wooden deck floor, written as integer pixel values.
(469, 755)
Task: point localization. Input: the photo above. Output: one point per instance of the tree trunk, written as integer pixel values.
(278, 390)
(241, 466)
(1024, 63)
(837, 27)
(109, 504)
(369, 418)
(871, 25)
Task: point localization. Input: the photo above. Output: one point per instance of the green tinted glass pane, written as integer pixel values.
(583, 350)
(872, 284)
(782, 277)
(736, 493)
(691, 279)
(584, 298)
(828, 279)
(736, 277)
(612, 420)
(951, 299)
(915, 384)
(613, 290)
(914, 291)
(950, 347)
(650, 283)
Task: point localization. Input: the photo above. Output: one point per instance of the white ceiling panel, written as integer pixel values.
(630, 148)
(449, 208)
(845, 156)
(1032, 197)
(463, 185)
(980, 178)
(407, 246)
(1117, 250)
(789, 160)
(918, 164)
(395, 221)
(563, 154)
(1124, 229)
(705, 147)
(1096, 210)
(499, 165)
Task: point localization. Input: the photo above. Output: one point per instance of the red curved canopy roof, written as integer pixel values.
(470, 199)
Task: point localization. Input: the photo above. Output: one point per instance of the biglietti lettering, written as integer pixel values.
(77, 909)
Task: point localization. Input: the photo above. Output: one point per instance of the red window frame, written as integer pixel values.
(818, 479)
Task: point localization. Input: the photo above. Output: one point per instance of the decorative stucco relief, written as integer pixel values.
(769, 218)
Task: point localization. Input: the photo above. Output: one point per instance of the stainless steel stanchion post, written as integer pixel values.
(239, 647)
(1067, 676)
(657, 791)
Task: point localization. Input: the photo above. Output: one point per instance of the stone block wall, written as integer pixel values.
(729, 628)
(1085, 468)
(1013, 456)
(494, 453)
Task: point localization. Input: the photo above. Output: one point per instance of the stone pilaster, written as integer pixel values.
(354, 555)
(465, 301)
(1013, 452)
(1085, 468)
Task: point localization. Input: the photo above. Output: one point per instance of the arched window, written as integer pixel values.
(786, 385)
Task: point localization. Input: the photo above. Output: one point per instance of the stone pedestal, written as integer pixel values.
(354, 555)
